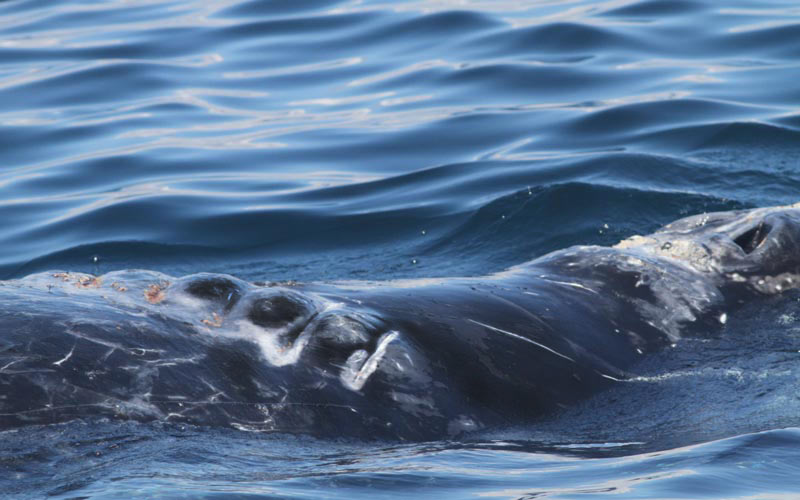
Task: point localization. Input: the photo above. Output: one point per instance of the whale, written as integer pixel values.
(410, 359)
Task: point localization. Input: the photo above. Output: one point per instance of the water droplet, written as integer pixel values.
(666, 246)
(95, 259)
(424, 232)
(414, 261)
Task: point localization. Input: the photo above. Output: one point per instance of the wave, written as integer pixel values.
(194, 458)
(542, 219)
(223, 126)
(656, 9)
(510, 229)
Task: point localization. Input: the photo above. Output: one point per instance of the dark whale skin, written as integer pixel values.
(416, 360)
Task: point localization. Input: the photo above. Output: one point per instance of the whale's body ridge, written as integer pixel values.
(412, 359)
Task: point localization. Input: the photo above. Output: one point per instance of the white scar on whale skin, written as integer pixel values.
(353, 377)
(520, 337)
(8, 365)
(274, 351)
(69, 355)
(574, 285)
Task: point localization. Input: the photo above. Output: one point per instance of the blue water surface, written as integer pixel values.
(318, 140)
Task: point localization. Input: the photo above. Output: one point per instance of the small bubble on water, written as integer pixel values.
(414, 261)
(424, 232)
(95, 259)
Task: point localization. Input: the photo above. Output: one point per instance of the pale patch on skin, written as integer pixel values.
(275, 352)
(683, 241)
(634, 241)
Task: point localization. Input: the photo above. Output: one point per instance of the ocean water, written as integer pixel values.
(322, 140)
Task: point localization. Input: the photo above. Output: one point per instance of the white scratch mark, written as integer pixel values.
(609, 377)
(11, 363)
(574, 285)
(520, 337)
(69, 355)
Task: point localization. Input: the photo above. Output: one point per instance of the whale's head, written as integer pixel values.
(747, 250)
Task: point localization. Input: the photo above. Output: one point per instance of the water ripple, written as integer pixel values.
(187, 122)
